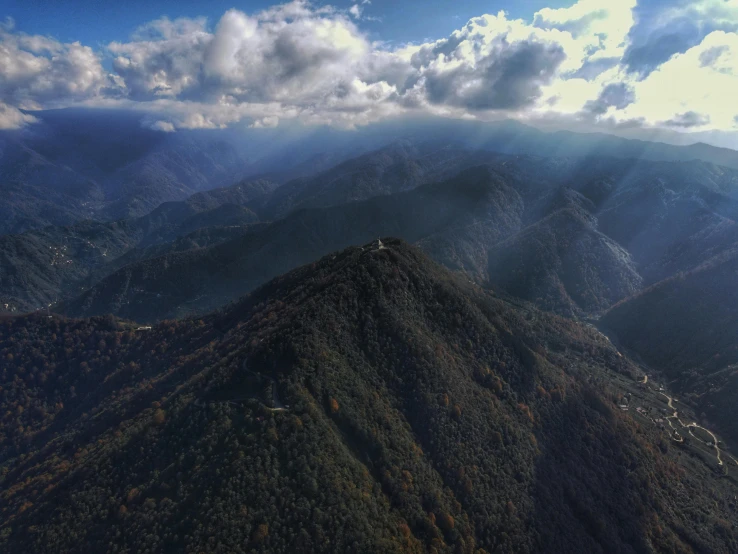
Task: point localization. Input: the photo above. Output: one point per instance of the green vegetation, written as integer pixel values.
(420, 414)
(687, 328)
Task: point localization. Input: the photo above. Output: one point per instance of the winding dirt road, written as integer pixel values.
(691, 426)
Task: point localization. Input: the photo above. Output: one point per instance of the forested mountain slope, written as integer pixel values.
(29, 202)
(397, 168)
(368, 402)
(687, 328)
(589, 231)
(40, 267)
(194, 282)
(60, 173)
(564, 264)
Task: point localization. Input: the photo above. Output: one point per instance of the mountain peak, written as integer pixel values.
(372, 388)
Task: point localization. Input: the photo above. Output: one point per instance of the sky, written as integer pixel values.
(94, 22)
(626, 67)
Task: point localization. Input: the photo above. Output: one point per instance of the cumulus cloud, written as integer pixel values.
(703, 80)
(614, 95)
(490, 64)
(622, 64)
(601, 25)
(40, 72)
(13, 118)
(688, 119)
(292, 57)
(662, 30)
(165, 126)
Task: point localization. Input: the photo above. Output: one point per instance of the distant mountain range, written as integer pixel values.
(103, 165)
(571, 235)
(574, 235)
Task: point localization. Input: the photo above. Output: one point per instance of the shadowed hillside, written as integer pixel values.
(197, 281)
(43, 266)
(687, 327)
(564, 264)
(370, 401)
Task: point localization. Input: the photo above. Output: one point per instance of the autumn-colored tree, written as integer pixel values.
(334, 405)
(132, 495)
(446, 522)
(261, 533)
(526, 410)
(160, 416)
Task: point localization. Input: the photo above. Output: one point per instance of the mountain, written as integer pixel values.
(27, 199)
(105, 164)
(224, 206)
(40, 267)
(478, 199)
(573, 235)
(368, 402)
(581, 234)
(512, 137)
(76, 161)
(174, 173)
(687, 328)
(399, 167)
(564, 264)
(655, 209)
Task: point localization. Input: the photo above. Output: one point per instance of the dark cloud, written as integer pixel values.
(687, 120)
(632, 123)
(618, 95)
(506, 80)
(658, 49)
(665, 28)
(708, 57)
(592, 68)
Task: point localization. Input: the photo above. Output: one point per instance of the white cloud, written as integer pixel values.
(315, 64)
(13, 118)
(268, 122)
(38, 72)
(662, 30)
(290, 55)
(694, 89)
(165, 126)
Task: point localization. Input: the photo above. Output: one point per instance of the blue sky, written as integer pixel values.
(629, 67)
(99, 22)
